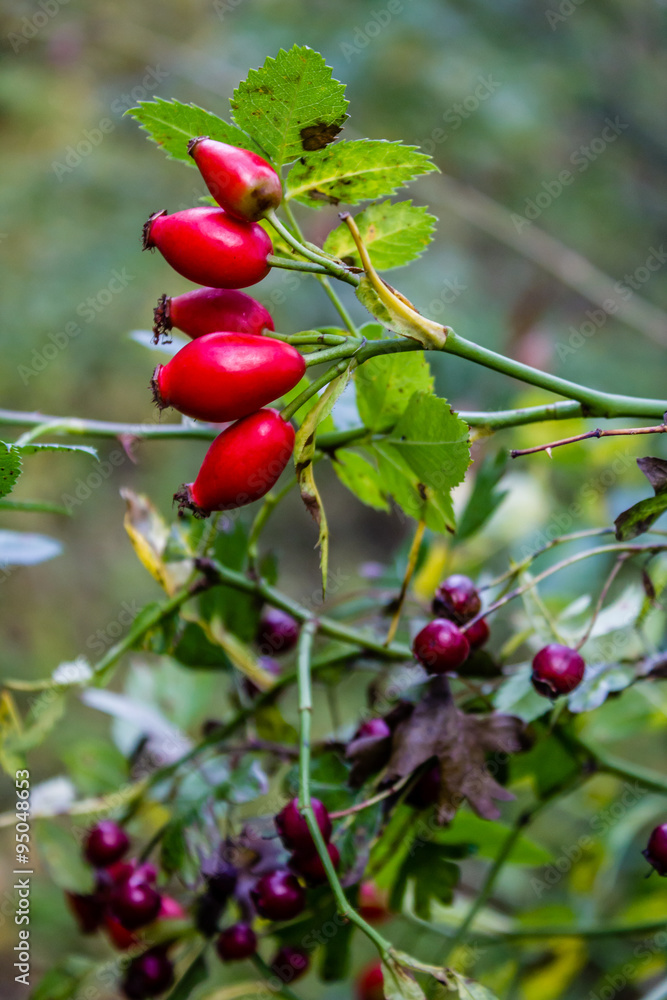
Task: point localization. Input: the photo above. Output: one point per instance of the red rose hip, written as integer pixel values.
(210, 247)
(209, 310)
(557, 670)
(236, 942)
(241, 182)
(278, 895)
(225, 376)
(656, 849)
(105, 843)
(457, 598)
(293, 829)
(242, 464)
(441, 646)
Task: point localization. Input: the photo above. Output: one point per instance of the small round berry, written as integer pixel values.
(478, 633)
(656, 849)
(222, 882)
(373, 729)
(148, 975)
(441, 646)
(290, 963)
(278, 632)
(557, 670)
(457, 598)
(293, 829)
(426, 791)
(105, 843)
(170, 909)
(278, 895)
(135, 904)
(236, 942)
(373, 903)
(308, 864)
(88, 910)
(369, 985)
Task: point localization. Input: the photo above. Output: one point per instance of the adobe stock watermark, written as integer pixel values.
(581, 158)
(225, 7)
(458, 113)
(565, 9)
(31, 26)
(364, 34)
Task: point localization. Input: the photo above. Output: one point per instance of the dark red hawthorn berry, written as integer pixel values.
(308, 865)
(557, 670)
(236, 942)
(222, 882)
(278, 895)
(208, 310)
(441, 646)
(225, 376)
(148, 975)
(240, 181)
(656, 849)
(293, 829)
(88, 911)
(290, 963)
(135, 904)
(242, 464)
(210, 247)
(369, 985)
(278, 632)
(457, 598)
(426, 790)
(478, 633)
(373, 729)
(105, 843)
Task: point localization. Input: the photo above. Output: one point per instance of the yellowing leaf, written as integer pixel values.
(149, 533)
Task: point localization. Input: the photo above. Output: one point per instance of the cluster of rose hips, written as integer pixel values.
(230, 371)
(124, 901)
(444, 645)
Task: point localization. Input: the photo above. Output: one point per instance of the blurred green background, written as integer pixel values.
(505, 94)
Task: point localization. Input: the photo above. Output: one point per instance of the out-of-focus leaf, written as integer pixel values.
(23, 548)
(432, 877)
(95, 766)
(149, 534)
(517, 696)
(547, 764)
(195, 649)
(485, 497)
(63, 981)
(641, 516)
(11, 759)
(489, 838)
(328, 782)
(361, 478)
(271, 726)
(335, 964)
(62, 856)
(399, 983)
(600, 680)
(196, 974)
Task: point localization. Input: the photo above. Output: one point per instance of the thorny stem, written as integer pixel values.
(597, 433)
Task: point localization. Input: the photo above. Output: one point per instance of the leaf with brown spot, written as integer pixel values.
(319, 135)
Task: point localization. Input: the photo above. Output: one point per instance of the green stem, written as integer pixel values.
(308, 337)
(305, 714)
(265, 511)
(295, 265)
(338, 270)
(328, 376)
(345, 350)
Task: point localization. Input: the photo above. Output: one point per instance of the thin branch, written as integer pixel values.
(597, 433)
(360, 806)
(601, 599)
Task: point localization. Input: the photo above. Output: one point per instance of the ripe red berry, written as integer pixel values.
(373, 729)
(656, 849)
(426, 791)
(135, 904)
(88, 911)
(278, 632)
(441, 646)
(224, 376)
(241, 465)
(278, 895)
(208, 310)
(457, 598)
(236, 942)
(293, 829)
(308, 864)
(105, 843)
(148, 975)
(557, 670)
(290, 963)
(240, 181)
(478, 633)
(210, 247)
(369, 985)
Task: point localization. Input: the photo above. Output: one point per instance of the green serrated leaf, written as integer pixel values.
(171, 125)
(34, 449)
(361, 478)
(385, 384)
(291, 105)
(395, 233)
(10, 468)
(354, 171)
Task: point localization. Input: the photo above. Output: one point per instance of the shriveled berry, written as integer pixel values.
(441, 646)
(369, 985)
(478, 633)
(308, 864)
(373, 729)
(242, 464)
(290, 963)
(210, 247)
(278, 632)
(240, 181)
(457, 598)
(293, 829)
(208, 310)
(656, 849)
(105, 843)
(224, 376)
(426, 790)
(236, 942)
(135, 904)
(88, 910)
(278, 895)
(148, 975)
(557, 670)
